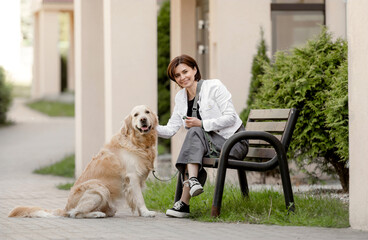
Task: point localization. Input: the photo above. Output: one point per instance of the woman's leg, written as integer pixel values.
(192, 169)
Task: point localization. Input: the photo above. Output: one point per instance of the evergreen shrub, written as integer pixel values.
(163, 60)
(5, 96)
(313, 79)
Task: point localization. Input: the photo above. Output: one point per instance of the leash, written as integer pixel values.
(164, 180)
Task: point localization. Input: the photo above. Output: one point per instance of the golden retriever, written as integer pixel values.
(117, 172)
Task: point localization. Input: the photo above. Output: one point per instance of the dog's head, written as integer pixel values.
(141, 120)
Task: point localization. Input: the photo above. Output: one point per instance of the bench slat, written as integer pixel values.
(261, 142)
(261, 153)
(266, 126)
(208, 162)
(268, 114)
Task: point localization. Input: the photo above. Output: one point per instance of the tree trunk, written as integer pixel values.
(341, 170)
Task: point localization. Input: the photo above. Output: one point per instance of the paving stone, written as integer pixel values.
(38, 140)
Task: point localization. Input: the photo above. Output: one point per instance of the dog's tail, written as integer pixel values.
(36, 212)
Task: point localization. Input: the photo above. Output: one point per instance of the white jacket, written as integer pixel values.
(215, 107)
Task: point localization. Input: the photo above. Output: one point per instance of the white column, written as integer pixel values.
(357, 33)
(71, 54)
(36, 88)
(49, 57)
(89, 72)
(336, 17)
(182, 41)
(130, 46)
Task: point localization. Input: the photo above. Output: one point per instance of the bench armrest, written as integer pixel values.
(278, 159)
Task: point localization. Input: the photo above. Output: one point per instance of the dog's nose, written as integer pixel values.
(143, 120)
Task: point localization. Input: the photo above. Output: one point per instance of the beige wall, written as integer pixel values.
(46, 80)
(46, 77)
(116, 68)
(130, 49)
(336, 17)
(89, 91)
(35, 87)
(71, 54)
(357, 33)
(234, 35)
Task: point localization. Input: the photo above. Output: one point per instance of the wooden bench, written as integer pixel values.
(269, 133)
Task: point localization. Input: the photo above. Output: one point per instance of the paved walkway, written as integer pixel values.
(36, 140)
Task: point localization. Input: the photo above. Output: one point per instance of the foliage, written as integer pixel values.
(5, 96)
(64, 168)
(337, 112)
(262, 207)
(302, 79)
(163, 60)
(257, 70)
(53, 108)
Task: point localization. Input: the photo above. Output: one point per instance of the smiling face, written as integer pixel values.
(142, 119)
(185, 75)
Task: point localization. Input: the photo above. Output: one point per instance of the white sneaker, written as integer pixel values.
(195, 187)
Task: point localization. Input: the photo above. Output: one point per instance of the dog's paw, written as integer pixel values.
(72, 213)
(148, 213)
(95, 215)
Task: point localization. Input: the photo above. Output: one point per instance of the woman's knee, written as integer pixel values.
(194, 131)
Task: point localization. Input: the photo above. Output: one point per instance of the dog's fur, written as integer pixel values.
(118, 171)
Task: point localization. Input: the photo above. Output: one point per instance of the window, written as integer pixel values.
(295, 21)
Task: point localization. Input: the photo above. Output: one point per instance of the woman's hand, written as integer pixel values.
(193, 122)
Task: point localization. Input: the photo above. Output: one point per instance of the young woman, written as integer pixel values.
(214, 121)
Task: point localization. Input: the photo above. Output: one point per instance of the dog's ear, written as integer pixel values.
(155, 121)
(126, 128)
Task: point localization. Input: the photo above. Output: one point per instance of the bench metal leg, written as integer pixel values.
(243, 182)
(179, 188)
(286, 185)
(219, 189)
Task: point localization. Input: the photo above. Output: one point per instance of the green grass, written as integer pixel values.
(262, 207)
(65, 186)
(64, 168)
(53, 108)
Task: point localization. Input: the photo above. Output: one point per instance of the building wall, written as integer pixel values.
(130, 49)
(116, 68)
(357, 33)
(336, 17)
(234, 34)
(46, 80)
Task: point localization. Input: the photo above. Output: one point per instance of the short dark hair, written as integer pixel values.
(185, 59)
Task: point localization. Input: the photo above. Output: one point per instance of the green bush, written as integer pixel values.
(337, 113)
(163, 60)
(5, 96)
(305, 78)
(257, 71)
